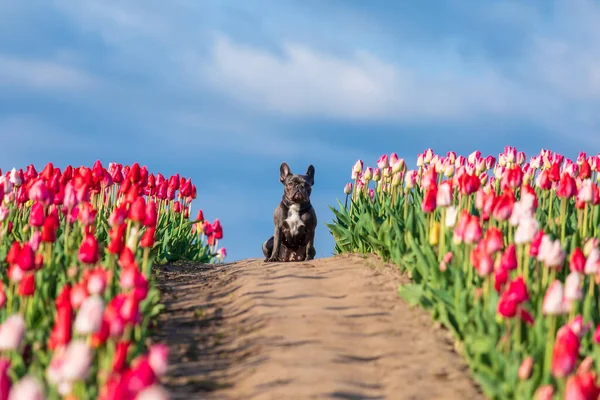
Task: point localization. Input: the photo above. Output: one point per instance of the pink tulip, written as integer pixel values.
(525, 368)
(544, 392)
(591, 263)
(28, 388)
(76, 362)
(12, 332)
(553, 303)
(153, 392)
(158, 358)
(444, 194)
(573, 290)
(89, 316)
(383, 161)
(221, 254)
(526, 230)
(582, 387)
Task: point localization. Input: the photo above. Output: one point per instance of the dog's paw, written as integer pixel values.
(271, 259)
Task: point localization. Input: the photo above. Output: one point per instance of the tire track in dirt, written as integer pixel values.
(332, 328)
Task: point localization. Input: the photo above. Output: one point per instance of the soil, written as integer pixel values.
(332, 328)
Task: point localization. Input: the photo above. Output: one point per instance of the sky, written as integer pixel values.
(223, 91)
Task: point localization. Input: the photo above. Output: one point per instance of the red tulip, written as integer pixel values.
(36, 215)
(137, 212)
(151, 216)
(27, 285)
(565, 352)
(147, 240)
(120, 359)
(567, 187)
(468, 183)
(88, 250)
(5, 381)
(200, 216)
(26, 258)
(512, 297)
(585, 171)
(535, 244)
(577, 260)
(61, 332)
(118, 215)
(500, 278)
(509, 258)
(513, 178)
(117, 238)
(504, 206)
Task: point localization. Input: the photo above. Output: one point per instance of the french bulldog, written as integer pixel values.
(295, 219)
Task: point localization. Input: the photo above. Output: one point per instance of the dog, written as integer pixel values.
(294, 218)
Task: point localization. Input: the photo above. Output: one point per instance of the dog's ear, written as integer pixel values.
(284, 172)
(310, 172)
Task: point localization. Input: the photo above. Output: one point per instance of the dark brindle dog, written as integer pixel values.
(295, 219)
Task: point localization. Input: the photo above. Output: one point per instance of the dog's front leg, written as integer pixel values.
(310, 249)
(276, 244)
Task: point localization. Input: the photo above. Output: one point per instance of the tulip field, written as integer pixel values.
(504, 252)
(77, 297)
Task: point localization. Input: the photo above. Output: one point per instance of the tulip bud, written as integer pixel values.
(526, 368)
(348, 188)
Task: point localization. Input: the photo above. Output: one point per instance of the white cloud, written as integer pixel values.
(41, 74)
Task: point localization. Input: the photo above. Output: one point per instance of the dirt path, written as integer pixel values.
(332, 328)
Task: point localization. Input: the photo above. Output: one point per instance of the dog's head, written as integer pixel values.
(296, 188)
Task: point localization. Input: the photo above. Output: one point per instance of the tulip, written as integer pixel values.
(444, 194)
(96, 281)
(153, 392)
(88, 251)
(509, 258)
(578, 327)
(553, 303)
(504, 206)
(544, 392)
(89, 316)
(451, 213)
(12, 332)
(591, 264)
(429, 200)
(577, 261)
(566, 187)
(472, 232)
(27, 285)
(347, 190)
(565, 352)
(582, 387)
(525, 368)
(28, 388)
(494, 240)
(5, 382)
(77, 360)
(526, 230)
(36, 215)
(158, 358)
(573, 290)
(221, 254)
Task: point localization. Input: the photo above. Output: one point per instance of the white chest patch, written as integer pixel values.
(293, 219)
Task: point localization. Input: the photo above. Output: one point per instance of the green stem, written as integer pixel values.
(563, 223)
(585, 221)
(549, 347)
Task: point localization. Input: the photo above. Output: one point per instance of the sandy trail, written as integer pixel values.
(331, 328)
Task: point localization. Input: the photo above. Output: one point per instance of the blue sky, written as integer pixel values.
(224, 91)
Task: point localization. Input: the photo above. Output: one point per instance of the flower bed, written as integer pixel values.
(504, 252)
(77, 296)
